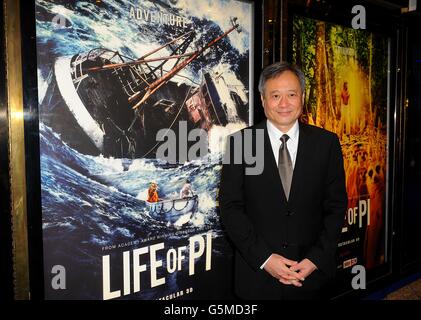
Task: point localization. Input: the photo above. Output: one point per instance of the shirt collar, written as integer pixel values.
(275, 132)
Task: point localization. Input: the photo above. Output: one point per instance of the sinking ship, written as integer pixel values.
(103, 102)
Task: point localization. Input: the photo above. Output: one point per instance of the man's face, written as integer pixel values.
(283, 100)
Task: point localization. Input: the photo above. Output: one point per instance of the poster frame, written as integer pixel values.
(32, 139)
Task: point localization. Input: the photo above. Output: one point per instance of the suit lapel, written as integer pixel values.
(271, 173)
(269, 158)
(303, 157)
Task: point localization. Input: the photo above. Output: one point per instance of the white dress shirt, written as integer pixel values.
(292, 144)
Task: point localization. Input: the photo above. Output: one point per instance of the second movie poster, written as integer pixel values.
(135, 100)
(347, 93)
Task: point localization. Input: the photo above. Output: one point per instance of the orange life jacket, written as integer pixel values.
(152, 196)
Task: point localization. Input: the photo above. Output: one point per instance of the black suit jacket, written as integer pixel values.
(260, 221)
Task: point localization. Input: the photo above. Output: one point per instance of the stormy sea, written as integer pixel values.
(92, 207)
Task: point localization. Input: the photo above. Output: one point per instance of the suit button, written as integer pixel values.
(289, 213)
(285, 245)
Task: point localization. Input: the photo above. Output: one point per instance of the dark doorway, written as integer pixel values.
(411, 215)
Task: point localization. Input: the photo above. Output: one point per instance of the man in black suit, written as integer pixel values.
(284, 222)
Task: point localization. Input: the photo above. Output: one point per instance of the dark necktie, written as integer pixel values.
(285, 165)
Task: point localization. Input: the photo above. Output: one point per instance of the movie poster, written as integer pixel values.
(135, 100)
(346, 92)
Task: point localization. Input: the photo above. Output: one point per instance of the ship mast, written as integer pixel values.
(150, 89)
(161, 81)
(142, 59)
